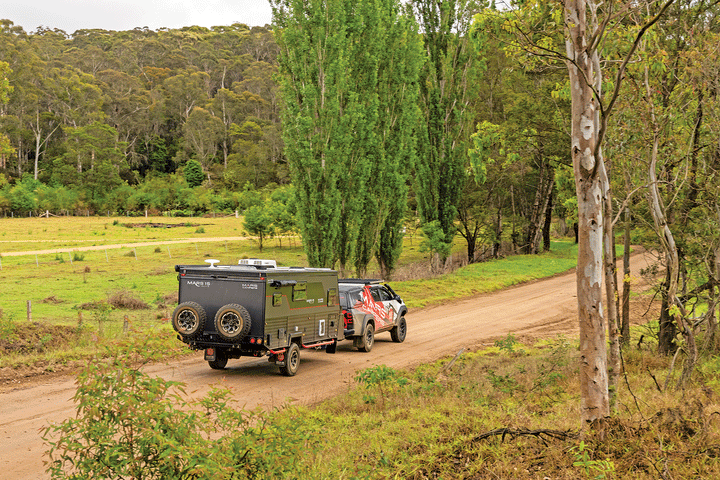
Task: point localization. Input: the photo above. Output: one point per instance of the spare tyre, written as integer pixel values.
(232, 322)
(188, 319)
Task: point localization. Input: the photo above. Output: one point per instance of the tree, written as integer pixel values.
(203, 132)
(258, 222)
(348, 118)
(672, 160)
(445, 98)
(584, 32)
(282, 211)
(589, 122)
(5, 88)
(193, 172)
(313, 66)
(93, 161)
(400, 60)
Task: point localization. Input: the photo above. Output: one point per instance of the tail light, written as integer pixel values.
(347, 319)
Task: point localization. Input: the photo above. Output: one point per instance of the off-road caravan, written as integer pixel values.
(257, 309)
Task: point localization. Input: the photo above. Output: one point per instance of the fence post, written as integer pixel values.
(135, 250)
(29, 310)
(125, 324)
(79, 319)
(37, 262)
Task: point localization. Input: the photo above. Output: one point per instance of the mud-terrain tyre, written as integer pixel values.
(219, 363)
(292, 361)
(189, 319)
(399, 331)
(368, 338)
(232, 322)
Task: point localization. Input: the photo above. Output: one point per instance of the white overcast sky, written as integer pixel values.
(72, 15)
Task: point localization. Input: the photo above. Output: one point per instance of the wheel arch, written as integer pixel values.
(367, 320)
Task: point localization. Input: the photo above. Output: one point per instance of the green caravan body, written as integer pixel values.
(257, 309)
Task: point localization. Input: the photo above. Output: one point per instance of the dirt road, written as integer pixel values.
(543, 308)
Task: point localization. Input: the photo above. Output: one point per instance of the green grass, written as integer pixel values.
(65, 288)
(448, 423)
(57, 284)
(489, 276)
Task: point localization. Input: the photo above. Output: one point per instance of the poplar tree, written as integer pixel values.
(349, 75)
(398, 58)
(445, 98)
(316, 129)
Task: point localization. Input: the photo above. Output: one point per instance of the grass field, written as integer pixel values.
(89, 281)
(58, 284)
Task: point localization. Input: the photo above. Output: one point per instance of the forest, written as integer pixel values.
(98, 121)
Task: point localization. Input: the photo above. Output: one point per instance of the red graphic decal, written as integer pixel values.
(376, 309)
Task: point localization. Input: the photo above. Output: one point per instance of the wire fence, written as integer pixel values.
(69, 285)
(172, 250)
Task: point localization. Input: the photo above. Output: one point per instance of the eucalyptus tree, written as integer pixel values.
(5, 88)
(585, 29)
(202, 134)
(674, 93)
(27, 118)
(126, 105)
(94, 162)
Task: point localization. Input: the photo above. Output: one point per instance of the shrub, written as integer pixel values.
(132, 425)
(127, 300)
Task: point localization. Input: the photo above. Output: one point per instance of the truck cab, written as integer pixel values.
(370, 307)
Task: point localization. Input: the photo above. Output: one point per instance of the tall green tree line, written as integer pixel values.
(349, 85)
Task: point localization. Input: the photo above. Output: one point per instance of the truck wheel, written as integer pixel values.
(188, 319)
(232, 322)
(292, 361)
(399, 331)
(219, 363)
(368, 338)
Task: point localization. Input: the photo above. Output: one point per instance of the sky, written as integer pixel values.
(72, 15)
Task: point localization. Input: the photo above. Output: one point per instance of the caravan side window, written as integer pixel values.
(332, 297)
(300, 291)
